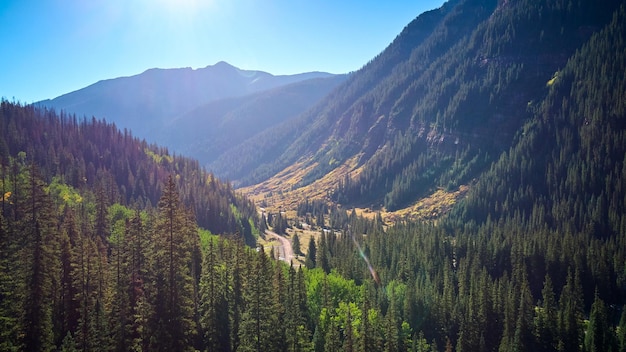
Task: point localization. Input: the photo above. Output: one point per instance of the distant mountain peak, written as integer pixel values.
(221, 64)
(143, 102)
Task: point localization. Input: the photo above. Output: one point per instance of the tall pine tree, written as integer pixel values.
(175, 327)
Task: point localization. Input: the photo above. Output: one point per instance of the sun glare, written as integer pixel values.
(185, 6)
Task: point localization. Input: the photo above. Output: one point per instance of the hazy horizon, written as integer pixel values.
(58, 48)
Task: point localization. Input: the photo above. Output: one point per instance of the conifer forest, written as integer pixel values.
(109, 243)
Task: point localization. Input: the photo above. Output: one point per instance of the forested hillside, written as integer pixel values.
(110, 244)
(434, 109)
(94, 156)
(99, 238)
(534, 258)
(201, 113)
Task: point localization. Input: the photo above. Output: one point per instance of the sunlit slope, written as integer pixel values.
(434, 110)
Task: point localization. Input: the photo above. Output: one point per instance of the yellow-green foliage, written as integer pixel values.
(118, 215)
(157, 157)
(553, 79)
(63, 194)
(206, 237)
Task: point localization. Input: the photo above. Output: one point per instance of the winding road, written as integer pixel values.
(284, 251)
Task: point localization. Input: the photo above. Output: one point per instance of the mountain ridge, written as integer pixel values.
(159, 95)
(443, 113)
(209, 130)
(270, 162)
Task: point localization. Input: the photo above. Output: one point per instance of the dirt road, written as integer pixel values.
(284, 251)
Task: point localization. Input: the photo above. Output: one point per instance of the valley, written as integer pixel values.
(463, 190)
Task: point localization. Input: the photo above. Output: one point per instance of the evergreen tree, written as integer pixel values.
(332, 340)
(392, 336)
(68, 344)
(546, 321)
(295, 243)
(83, 274)
(348, 332)
(278, 339)
(8, 261)
(599, 335)
(38, 226)
(311, 255)
(322, 255)
(367, 334)
(236, 292)
(121, 314)
(571, 314)
(256, 328)
(214, 305)
(140, 308)
(174, 302)
(296, 330)
(523, 338)
(68, 311)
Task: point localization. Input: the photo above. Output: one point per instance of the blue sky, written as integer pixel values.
(52, 47)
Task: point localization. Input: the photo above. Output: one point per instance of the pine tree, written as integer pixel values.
(68, 310)
(303, 307)
(332, 340)
(174, 302)
(349, 336)
(311, 255)
(278, 337)
(140, 309)
(391, 326)
(295, 243)
(371, 331)
(236, 293)
(256, 327)
(507, 295)
(523, 338)
(214, 306)
(546, 321)
(120, 311)
(9, 295)
(38, 225)
(296, 330)
(571, 314)
(83, 259)
(68, 345)
(322, 255)
(599, 335)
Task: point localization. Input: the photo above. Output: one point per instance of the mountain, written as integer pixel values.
(564, 169)
(100, 240)
(211, 129)
(511, 115)
(96, 159)
(144, 103)
(432, 112)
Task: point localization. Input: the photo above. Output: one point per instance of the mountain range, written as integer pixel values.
(154, 103)
(488, 141)
(429, 115)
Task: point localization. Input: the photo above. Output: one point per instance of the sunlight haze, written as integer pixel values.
(55, 47)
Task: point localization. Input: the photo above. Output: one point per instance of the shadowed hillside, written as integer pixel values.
(433, 110)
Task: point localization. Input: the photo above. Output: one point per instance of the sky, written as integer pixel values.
(52, 47)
